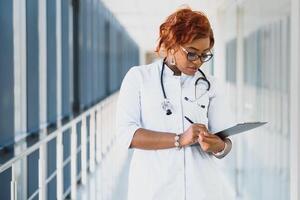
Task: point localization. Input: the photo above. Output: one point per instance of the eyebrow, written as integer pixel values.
(198, 49)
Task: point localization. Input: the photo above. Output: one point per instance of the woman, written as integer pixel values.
(166, 113)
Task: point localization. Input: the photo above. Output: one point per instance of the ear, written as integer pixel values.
(172, 51)
(162, 51)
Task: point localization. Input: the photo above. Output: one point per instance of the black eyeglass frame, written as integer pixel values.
(191, 54)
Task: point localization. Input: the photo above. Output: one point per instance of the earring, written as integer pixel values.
(172, 58)
(173, 62)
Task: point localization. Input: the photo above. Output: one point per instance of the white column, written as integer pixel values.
(73, 162)
(19, 169)
(59, 140)
(59, 167)
(294, 102)
(42, 20)
(42, 171)
(92, 141)
(98, 134)
(42, 29)
(19, 173)
(240, 88)
(19, 31)
(83, 150)
(13, 183)
(58, 62)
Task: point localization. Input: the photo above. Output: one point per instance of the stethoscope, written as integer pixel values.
(166, 104)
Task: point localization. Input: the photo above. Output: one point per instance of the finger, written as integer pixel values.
(206, 133)
(200, 138)
(198, 131)
(204, 129)
(210, 135)
(201, 126)
(208, 140)
(195, 140)
(201, 133)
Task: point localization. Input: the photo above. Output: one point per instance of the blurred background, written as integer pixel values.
(61, 66)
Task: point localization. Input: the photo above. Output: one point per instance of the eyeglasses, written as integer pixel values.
(204, 57)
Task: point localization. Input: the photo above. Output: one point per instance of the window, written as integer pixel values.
(7, 87)
(32, 44)
(251, 59)
(51, 62)
(66, 31)
(231, 61)
(32, 50)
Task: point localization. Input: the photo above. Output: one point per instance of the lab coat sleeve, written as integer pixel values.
(128, 108)
(220, 116)
(228, 146)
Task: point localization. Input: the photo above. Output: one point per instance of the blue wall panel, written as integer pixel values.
(94, 54)
(67, 143)
(67, 177)
(6, 87)
(107, 44)
(51, 157)
(51, 61)
(6, 73)
(51, 189)
(101, 55)
(33, 81)
(32, 172)
(66, 65)
(5, 178)
(83, 55)
(88, 64)
(112, 57)
(32, 66)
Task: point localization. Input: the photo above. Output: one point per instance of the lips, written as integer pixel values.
(192, 69)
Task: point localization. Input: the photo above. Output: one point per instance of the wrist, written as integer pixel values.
(182, 140)
(177, 141)
(226, 150)
(221, 149)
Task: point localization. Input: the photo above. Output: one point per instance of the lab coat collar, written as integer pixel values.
(169, 73)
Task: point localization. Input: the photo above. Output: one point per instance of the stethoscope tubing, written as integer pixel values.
(166, 101)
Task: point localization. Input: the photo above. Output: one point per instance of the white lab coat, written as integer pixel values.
(170, 174)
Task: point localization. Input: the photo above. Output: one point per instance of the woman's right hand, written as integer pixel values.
(190, 136)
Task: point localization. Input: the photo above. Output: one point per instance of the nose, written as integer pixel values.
(198, 62)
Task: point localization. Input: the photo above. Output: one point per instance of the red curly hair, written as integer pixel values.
(184, 26)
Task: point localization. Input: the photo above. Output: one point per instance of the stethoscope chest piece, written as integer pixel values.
(167, 106)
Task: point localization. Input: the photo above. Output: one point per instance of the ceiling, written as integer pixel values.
(142, 18)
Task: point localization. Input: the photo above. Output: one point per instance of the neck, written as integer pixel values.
(176, 71)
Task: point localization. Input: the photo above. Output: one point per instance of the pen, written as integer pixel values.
(188, 119)
(205, 133)
(195, 144)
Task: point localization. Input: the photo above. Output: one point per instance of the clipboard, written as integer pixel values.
(238, 128)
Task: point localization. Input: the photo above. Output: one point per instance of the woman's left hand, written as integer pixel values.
(210, 142)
